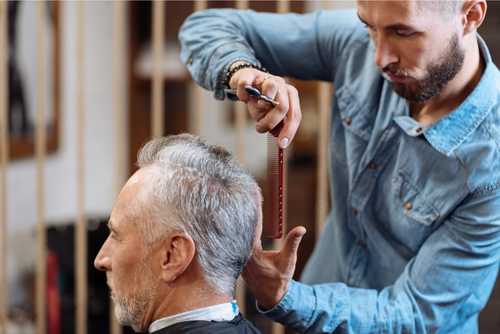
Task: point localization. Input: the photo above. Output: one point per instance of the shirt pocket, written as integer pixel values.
(355, 116)
(412, 201)
(411, 212)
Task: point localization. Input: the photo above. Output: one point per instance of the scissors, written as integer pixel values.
(255, 93)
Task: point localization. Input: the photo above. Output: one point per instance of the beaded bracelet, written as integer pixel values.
(229, 73)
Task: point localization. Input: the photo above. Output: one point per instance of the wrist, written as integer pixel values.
(236, 66)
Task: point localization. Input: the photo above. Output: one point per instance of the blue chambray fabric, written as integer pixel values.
(412, 243)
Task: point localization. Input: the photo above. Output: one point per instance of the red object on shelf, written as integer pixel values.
(53, 294)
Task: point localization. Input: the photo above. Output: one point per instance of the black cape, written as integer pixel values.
(238, 325)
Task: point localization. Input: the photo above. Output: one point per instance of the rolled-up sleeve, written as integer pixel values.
(302, 46)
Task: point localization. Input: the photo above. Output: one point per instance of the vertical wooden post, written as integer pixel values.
(158, 32)
(119, 116)
(4, 160)
(40, 150)
(198, 91)
(322, 198)
(81, 223)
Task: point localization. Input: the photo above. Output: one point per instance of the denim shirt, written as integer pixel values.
(412, 243)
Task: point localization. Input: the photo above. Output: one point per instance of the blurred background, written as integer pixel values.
(97, 118)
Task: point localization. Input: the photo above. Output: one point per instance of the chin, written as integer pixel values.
(127, 317)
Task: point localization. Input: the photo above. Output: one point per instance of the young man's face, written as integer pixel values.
(130, 273)
(416, 47)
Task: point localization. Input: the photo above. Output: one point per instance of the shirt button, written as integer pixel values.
(354, 211)
(362, 244)
(408, 206)
(190, 61)
(373, 166)
(348, 121)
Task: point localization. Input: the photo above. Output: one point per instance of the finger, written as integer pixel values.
(294, 116)
(245, 77)
(292, 241)
(276, 114)
(258, 230)
(269, 86)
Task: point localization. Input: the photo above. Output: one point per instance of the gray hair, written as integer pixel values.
(197, 188)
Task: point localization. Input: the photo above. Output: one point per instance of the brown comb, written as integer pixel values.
(275, 184)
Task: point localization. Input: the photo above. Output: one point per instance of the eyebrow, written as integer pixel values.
(110, 226)
(397, 26)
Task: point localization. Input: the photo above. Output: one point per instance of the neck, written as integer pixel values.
(186, 293)
(456, 90)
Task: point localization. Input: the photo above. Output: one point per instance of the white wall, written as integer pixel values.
(60, 178)
(60, 168)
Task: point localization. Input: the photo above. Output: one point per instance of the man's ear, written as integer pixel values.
(474, 12)
(178, 253)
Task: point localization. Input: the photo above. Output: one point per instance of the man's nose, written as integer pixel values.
(385, 54)
(102, 261)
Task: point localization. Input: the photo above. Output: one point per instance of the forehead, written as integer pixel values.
(121, 216)
(387, 13)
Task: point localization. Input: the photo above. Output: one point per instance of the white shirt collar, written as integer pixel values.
(221, 312)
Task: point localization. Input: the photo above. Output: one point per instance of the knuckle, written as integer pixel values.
(266, 125)
(297, 116)
(292, 89)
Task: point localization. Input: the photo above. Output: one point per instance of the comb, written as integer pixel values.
(275, 185)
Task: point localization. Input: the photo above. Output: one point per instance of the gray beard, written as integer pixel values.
(128, 311)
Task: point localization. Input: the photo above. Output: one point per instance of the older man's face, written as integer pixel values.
(418, 49)
(129, 270)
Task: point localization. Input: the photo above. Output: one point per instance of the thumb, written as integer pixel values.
(292, 241)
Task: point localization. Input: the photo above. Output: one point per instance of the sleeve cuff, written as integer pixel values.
(295, 309)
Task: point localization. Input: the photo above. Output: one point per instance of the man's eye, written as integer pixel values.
(369, 27)
(405, 35)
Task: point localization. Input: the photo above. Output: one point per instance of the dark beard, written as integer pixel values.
(438, 75)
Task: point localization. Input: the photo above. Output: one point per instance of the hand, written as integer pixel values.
(268, 273)
(261, 111)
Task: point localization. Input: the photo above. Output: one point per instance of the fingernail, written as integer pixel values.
(300, 236)
(259, 129)
(284, 142)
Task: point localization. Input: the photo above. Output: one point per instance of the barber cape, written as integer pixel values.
(223, 318)
(238, 325)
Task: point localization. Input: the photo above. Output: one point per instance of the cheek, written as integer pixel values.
(124, 269)
(415, 56)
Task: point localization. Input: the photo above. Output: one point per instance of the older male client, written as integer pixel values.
(181, 232)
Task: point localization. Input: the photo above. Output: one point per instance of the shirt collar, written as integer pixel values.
(449, 132)
(221, 312)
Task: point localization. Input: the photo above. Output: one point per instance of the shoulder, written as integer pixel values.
(480, 153)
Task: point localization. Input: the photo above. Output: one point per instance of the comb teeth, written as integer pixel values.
(275, 159)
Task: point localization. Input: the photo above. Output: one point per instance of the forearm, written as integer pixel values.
(211, 42)
(326, 308)
(300, 46)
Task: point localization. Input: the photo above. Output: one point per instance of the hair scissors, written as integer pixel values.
(255, 93)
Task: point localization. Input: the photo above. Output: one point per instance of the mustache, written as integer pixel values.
(109, 281)
(394, 70)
